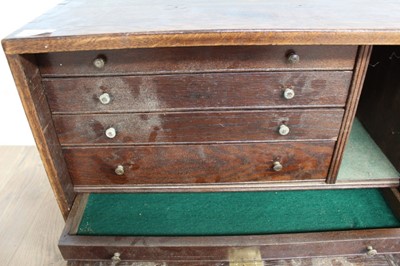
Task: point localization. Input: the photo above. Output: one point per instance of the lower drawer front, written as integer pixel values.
(217, 163)
(212, 227)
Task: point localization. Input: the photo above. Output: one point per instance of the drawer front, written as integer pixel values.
(198, 127)
(217, 163)
(198, 91)
(196, 59)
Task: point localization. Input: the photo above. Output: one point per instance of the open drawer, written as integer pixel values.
(228, 226)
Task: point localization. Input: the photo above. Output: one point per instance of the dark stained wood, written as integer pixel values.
(75, 215)
(78, 213)
(379, 260)
(379, 108)
(216, 248)
(94, 24)
(216, 163)
(362, 260)
(350, 111)
(189, 38)
(341, 243)
(198, 91)
(198, 127)
(392, 197)
(196, 59)
(28, 81)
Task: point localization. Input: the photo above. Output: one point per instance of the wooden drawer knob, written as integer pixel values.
(293, 58)
(111, 133)
(288, 94)
(105, 98)
(115, 259)
(119, 170)
(283, 130)
(371, 251)
(99, 62)
(277, 166)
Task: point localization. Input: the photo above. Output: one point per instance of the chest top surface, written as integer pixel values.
(96, 25)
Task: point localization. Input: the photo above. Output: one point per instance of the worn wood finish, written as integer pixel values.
(216, 248)
(28, 81)
(242, 186)
(362, 260)
(196, 59)
(380, 103)
(362, 61)
(216, 163)
(341, 243)
(195, 127)
(393, 259)
(198, 91)
(203, 23)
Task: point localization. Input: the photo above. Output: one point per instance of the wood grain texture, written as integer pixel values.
(196, 59)
(242, 186)
(28, 82)
(198, 127)
(204, 23)
(393, 259)
(30, 221)
(378, 260)
(341, 243)
(361, 66)
(380, 103)
(217, 163)
(198, 91)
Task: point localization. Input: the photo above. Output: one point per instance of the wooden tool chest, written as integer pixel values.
(155, 102)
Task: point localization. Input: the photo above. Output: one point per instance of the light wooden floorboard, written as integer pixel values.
(30, 221)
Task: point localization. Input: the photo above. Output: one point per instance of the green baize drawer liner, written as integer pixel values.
(234, 213)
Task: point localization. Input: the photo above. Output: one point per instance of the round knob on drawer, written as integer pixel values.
(288, 94)
(119, 170)
(99, 62)
(277, 166)
(115, 259)
(283, 130)
(293, 58)
(111, 133)
(105, 98)
(371, 251)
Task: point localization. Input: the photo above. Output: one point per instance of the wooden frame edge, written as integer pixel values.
(360, 71)
(46, 44)
(386, 183)
(28, 82)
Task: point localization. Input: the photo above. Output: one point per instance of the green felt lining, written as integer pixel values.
(234, 213)
(363, 159)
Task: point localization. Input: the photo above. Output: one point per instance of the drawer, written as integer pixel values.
(196, 59)
(216, 163)
(198, 91)
(222, 227)
(147, 128)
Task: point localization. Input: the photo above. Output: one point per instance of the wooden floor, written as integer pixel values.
(30, 222)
